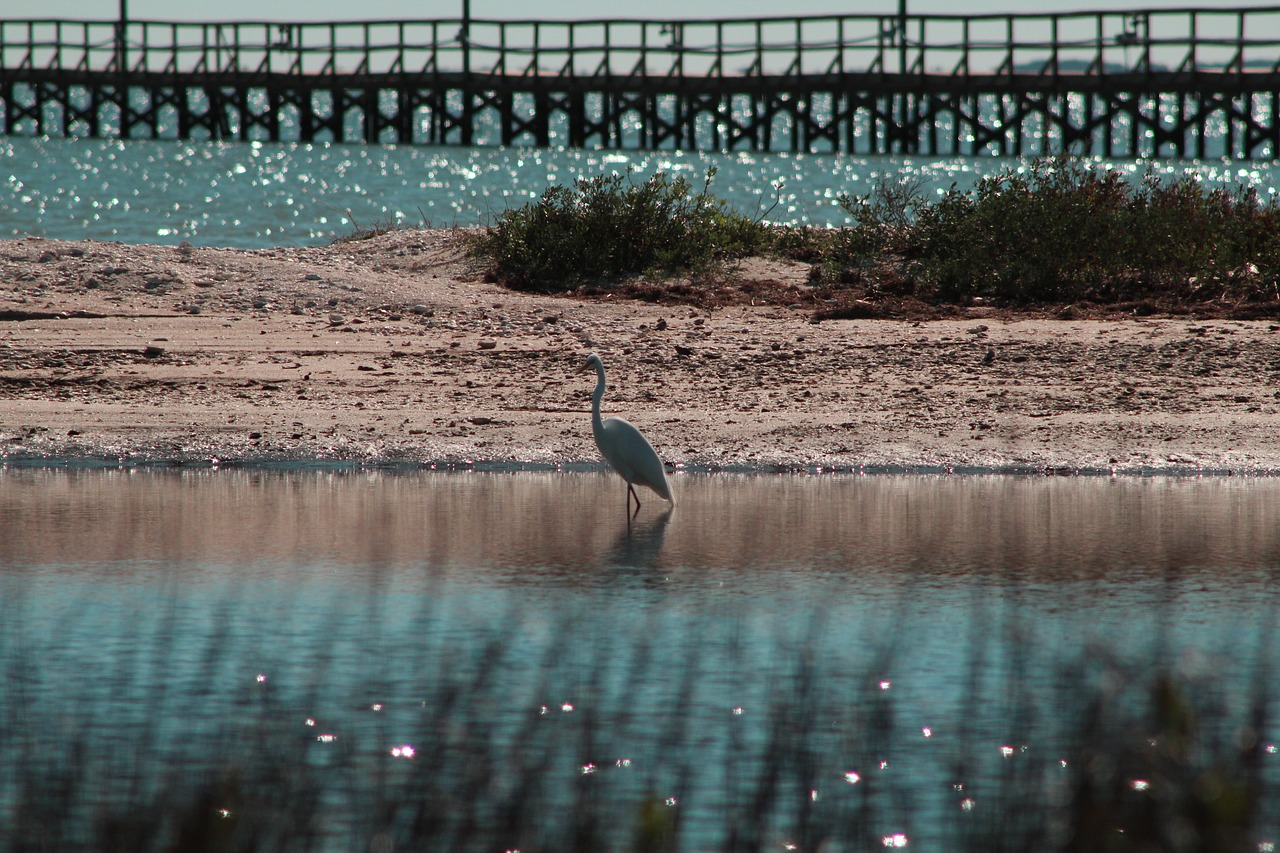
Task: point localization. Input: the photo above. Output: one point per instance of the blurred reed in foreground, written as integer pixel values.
(572, 733)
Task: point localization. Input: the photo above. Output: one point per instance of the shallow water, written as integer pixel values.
(158, 605)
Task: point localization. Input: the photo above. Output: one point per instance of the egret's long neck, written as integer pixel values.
(596, 396)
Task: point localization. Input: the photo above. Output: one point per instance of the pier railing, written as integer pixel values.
(1147, 81)
(1191, 40)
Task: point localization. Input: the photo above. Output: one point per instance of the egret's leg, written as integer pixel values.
(631, 493)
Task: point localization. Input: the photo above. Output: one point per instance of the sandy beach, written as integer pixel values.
(395, 350)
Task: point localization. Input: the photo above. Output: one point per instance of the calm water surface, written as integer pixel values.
(147, 610)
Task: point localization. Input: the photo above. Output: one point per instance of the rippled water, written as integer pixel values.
(391, 609)
(264, 194)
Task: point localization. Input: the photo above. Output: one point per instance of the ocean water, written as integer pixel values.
(260, 194)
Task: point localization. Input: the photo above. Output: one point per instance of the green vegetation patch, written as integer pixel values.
(1061, 232)
(1051, 234)
(608, 227)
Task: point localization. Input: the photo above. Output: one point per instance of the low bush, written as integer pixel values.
(609, 226)
(1050, 233)
(1058, 231)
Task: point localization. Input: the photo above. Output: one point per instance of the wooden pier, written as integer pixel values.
(1171, 83)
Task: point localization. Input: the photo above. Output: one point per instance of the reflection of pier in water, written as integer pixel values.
(1155, 82)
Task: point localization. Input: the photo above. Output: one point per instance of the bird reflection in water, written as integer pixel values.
(639, 544)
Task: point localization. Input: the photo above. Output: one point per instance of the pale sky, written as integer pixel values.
(341, 10)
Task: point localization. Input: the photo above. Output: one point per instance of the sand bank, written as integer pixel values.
(394, 350)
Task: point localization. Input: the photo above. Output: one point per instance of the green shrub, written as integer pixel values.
(1050, 232)
(1062, 232)
(608, 226)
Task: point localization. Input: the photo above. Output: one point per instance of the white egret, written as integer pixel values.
(624, 447)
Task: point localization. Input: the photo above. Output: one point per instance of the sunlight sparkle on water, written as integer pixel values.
(895, 840)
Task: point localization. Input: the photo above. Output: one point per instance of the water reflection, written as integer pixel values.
(780, 660)
(568, 526)
(639, 542)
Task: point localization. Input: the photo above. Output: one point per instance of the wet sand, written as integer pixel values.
(394, 350)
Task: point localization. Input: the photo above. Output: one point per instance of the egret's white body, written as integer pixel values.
(625, 448)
